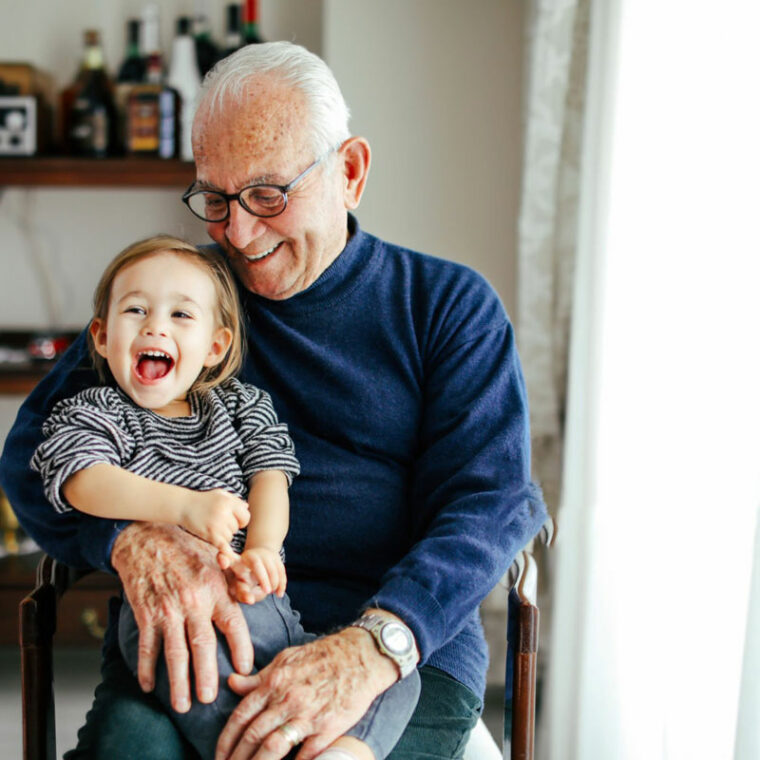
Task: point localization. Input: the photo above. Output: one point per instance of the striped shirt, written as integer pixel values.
(232, 433)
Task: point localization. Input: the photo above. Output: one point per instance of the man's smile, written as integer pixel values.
(262, 255)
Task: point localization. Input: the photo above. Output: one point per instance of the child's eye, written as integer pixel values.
(134, 310)
(182, 315)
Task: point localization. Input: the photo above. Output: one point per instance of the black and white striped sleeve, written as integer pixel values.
(267, 444)
(80, 432)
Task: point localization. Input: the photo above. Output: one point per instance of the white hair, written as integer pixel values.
(294, 65)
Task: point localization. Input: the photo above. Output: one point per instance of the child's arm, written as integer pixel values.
(260, 563)
(105, 490)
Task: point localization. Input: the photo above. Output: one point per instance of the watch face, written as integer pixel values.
(396, 638)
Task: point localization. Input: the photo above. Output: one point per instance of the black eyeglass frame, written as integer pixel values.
(228, 197)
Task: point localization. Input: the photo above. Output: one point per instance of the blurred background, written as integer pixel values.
(596, 160)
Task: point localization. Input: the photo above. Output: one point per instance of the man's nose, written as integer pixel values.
(243, 228)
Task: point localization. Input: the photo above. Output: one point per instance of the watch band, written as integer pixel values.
(393, 638)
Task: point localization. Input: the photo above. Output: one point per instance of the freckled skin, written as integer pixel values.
(264, 136)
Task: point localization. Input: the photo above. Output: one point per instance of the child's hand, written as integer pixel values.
(259, 567)
(214, 516)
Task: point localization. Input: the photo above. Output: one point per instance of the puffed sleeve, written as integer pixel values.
(80, 432)
(266, 442)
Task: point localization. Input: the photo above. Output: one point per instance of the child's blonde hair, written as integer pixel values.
(228, 311)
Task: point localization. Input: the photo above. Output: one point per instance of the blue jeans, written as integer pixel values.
(273, 626)
(125, 723)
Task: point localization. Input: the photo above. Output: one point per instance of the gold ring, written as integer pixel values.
(291, 733)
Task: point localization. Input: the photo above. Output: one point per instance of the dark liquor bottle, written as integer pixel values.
(206, 51)
(251, 22)
(131, 72)
(132, 68)
(67, 98)
(93, 121)
(233, 38)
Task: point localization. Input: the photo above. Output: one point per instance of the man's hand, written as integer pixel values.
(178, 592)
(259, 567)
(319, 689)
(214, 516)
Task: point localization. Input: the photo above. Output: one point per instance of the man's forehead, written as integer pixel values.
(269, 118)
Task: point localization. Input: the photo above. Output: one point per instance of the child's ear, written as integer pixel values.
(220, 344)
(98, 332)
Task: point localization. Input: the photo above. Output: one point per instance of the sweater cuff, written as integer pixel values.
(96, 539)
(418, 609)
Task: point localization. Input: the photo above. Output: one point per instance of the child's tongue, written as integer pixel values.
(151, 369)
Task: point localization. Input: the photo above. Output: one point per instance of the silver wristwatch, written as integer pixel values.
(393, 639)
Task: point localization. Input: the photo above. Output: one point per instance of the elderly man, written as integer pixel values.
(398, 376)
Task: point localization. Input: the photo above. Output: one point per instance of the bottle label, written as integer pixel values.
(143, 122)
(89, 129)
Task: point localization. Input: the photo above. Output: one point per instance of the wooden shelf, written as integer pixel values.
(20, 383)
(92, 172)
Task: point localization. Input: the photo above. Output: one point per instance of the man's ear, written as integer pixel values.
(356, 156)
(220, 344)
(99, 338)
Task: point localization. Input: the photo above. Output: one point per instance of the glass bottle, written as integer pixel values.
(131, 72)
(206, 51)
(233, 38)
(185, 78)
(132, 68)
(153, 114)
(251, 22)
(93, 120)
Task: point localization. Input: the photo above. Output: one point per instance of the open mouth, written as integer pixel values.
(263, 254)
(153, 365)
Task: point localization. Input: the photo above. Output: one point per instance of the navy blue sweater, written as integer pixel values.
(398, 377)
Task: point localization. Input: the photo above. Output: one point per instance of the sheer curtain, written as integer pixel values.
(654, 636)
(556, 54)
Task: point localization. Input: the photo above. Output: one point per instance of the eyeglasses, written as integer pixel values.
(260, 200)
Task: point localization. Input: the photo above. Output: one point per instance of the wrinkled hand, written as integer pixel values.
(256, 569)
(321, 689)
(214, 516)
(177, 592)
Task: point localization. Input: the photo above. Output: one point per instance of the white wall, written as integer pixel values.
(435, 85)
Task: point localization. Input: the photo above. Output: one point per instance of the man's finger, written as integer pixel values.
(229, 619)
(243, 685)
(226, 554)
(177, 661)
(202, 640)
(280, 741)
(239, 722)
(147, 655)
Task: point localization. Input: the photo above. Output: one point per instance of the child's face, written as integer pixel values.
(161, 330)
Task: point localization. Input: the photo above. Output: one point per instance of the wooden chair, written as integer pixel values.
(37, 625)
(520, 681)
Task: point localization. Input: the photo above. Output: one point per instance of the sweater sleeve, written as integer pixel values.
(267, 444)
(80, 432)
(474, 504)
(71, 537)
